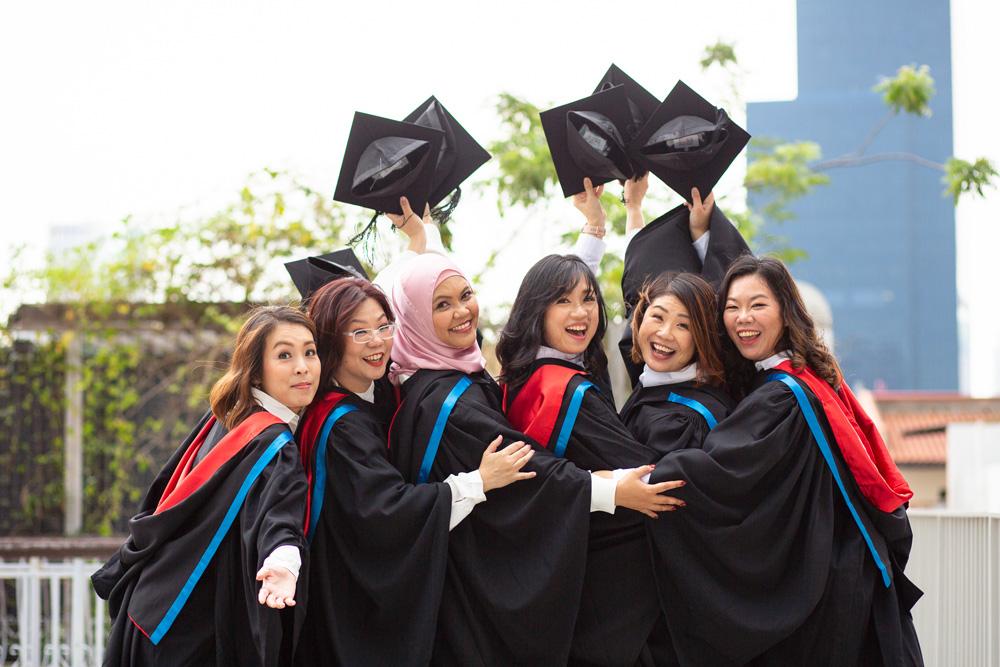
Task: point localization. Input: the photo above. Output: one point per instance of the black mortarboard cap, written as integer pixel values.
(385, 160)
(688, 142)
(460, 155)
(311, 273)
(586, 139)
(641, 103)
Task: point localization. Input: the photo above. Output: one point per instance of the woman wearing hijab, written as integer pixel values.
(516, 566)
(378, 545)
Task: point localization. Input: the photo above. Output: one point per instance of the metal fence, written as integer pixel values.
(49, 614)
(956, 561)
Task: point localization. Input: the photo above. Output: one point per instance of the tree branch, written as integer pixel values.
(859, 161)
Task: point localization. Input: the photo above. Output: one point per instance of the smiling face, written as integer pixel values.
(363, 363)
(753, 317)
(571, 322)
(455, 313)
(291, 368)
(665, 338)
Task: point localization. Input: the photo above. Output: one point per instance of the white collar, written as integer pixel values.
(773, 360)
(367, 395)
(276, 408)
(545, 352)
(651, 378)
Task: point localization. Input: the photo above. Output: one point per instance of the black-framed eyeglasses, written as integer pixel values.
(362, 336)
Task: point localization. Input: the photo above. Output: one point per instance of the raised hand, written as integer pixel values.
(588, 202)
(700, 213)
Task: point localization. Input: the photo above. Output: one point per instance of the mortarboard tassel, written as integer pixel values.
(442, 213)
(365, 237)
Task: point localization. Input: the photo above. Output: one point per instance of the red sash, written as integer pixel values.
(309, 430)
(188, 476)
(536, 409)
(860, 444)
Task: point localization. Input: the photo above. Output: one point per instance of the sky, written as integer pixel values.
(150, 109)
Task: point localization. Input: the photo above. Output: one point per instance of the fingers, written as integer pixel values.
(492, 448)
(262, 594)
(588, 187)
(404, 204)
(599, 190)
(710, 200)
(523, 475)
(512, 447)
(427, 210)
(669, 486)
(262, 573)
(637, 473)
(695, 197)
(523, 456)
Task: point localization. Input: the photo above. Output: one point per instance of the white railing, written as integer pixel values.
(49, 614)
(956, 561)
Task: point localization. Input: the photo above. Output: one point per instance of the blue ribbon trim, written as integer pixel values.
(572, 412)
(319, 479)
(227, 521)
(697, 406)
(824, 447)
(442, 420)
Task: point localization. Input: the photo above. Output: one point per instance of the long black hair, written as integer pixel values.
(799, 337)
(550, 278)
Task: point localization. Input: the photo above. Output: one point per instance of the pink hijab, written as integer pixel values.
(415, 344)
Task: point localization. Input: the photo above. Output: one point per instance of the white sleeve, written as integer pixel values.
(590, 249)
(701, 246)
(602, 494)
(618, 473)
(286, 556)
(466, 493)
(385, 278)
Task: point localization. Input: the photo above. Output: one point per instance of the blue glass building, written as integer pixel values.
(880, 237)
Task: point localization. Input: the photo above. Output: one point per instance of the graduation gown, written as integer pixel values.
(766, 566)
(665, 245)
(182, 589)
(562, 407)
(516, 564)
(378, 545)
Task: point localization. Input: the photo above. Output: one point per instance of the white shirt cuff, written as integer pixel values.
(590, 249)
(466, 493)
(434, 242)
(602, 494)
(286, 556)
(701, 245)
(618, 473)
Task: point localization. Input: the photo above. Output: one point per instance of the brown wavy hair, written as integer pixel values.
(230, 398)
(331, 308)
(799, 337)
(698, 298)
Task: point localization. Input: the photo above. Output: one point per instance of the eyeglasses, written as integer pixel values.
(362, 336)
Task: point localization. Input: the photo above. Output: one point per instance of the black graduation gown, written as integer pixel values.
(377, 554)
(766, 565)
(221, 621)
(516, 564)
(619, 608)
(665, 245)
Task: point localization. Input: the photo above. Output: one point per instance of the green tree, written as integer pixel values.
(156, 309)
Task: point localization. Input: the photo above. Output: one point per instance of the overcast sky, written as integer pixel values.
(118, 108)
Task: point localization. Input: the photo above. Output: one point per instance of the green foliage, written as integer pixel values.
(781, 172)
(962, 176)
(721, 53)
(522, 155)
(156, 308)
(910, 91)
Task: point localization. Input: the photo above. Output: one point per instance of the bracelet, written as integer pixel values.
(404, 221)
(594, 230)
